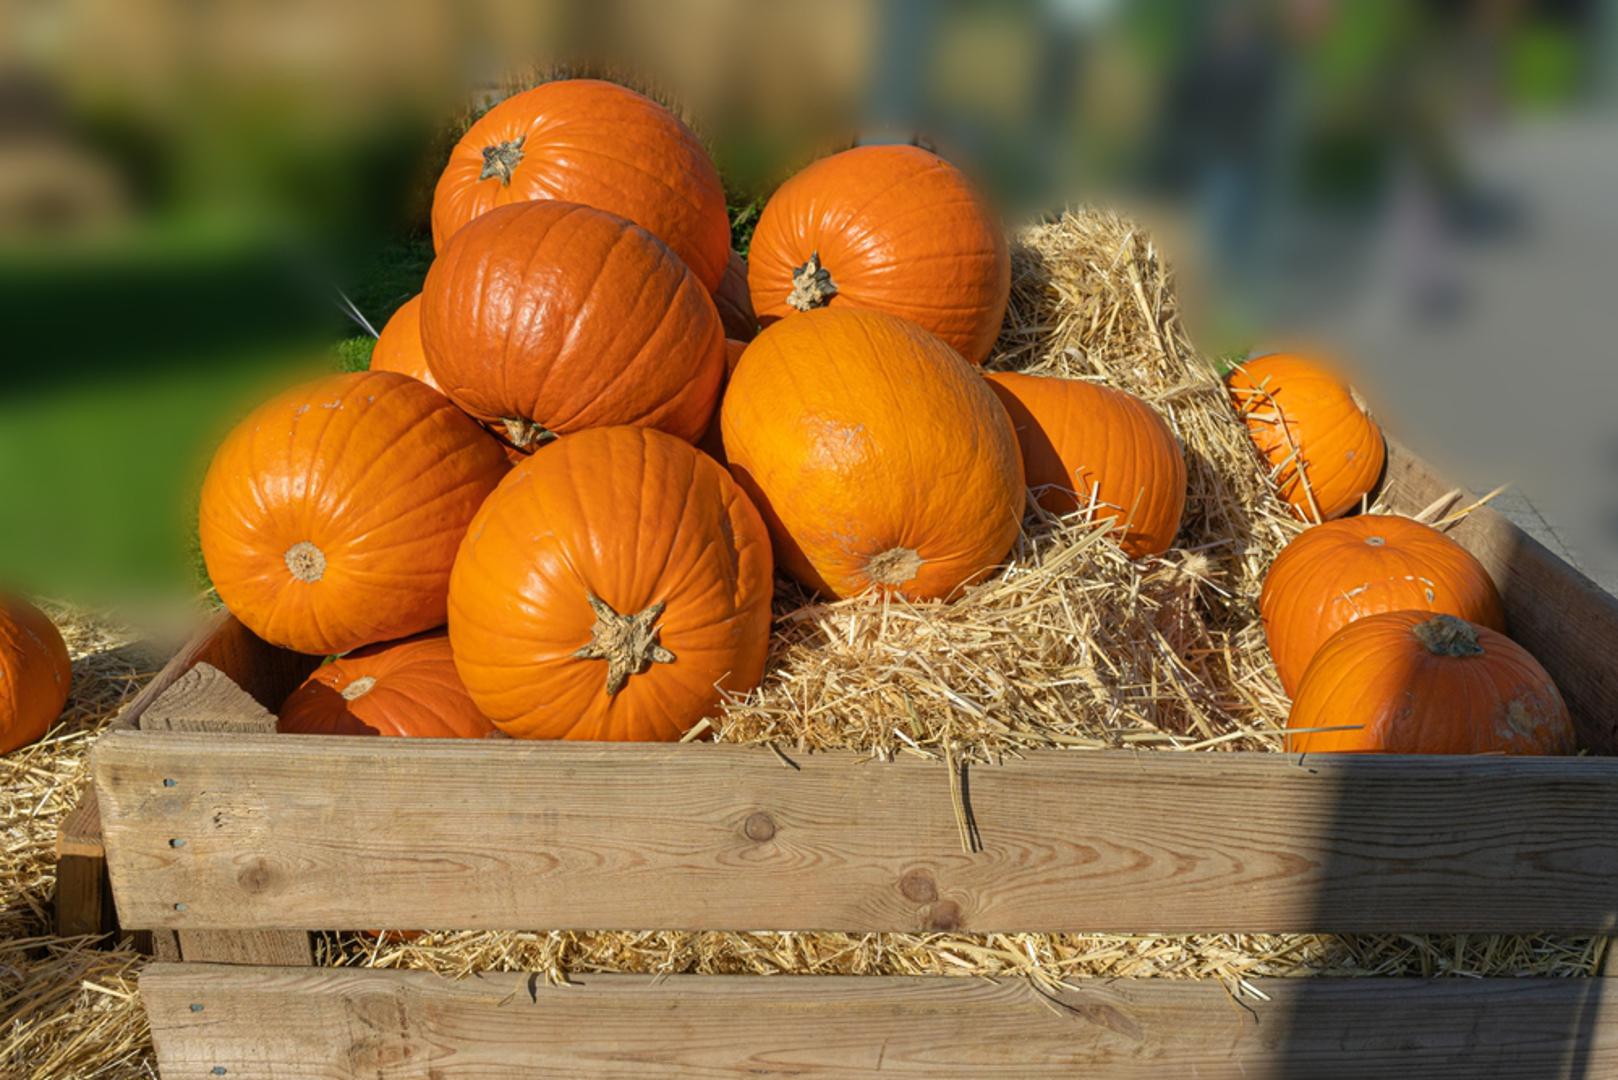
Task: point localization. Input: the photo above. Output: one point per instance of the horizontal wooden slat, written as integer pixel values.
(336, 1024)
(328, 832)
(1566, 620)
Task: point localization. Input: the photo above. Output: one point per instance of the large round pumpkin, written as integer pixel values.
(547, 317)
(613, 587)
(1332, 574)
(1325, 453)
(734, 304)
(407, 687)
(331, 515)
(1084, 444)
(1411, 682)
(595, 143)
(893, 228)
(398, 347)
(879, 458)
(35, 673)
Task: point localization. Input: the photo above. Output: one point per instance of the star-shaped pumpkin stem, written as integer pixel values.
(500, 159)
(812, 285)
(628, 643)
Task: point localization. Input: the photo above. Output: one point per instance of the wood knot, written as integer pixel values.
(918, 886)
(759, 826)
(944, 915)
(256, 877)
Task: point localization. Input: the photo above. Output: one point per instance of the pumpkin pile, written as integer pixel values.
(556, 505)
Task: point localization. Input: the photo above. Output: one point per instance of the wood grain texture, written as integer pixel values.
(332, 832)
(83, 900)
(1566, 620)
(344, 1024)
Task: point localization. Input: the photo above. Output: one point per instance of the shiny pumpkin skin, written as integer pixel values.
(1473, 691)
(1286, 402)
(1080, 437)
(398, 347)
(407, 688)
(896, 229)
(545, 318)
(598, 144)
(734, 303)
(879, 458)
(35, 673)
(633, 519)
(331, 515)
(1332, 574)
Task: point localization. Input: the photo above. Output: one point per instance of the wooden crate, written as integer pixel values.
(231, 843)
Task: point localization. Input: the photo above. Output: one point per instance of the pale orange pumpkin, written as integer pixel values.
(893, 228)
(331, 515)
(545, 318)
(879, 458)
(734, 304)
(35, 673)
(407, 687)
(1332, 574)
(1085, 445)
(1411, 682)
(1323, 451)
(615, 586)
(598, 144)
(398, 347)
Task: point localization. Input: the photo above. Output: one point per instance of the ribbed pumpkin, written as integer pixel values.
(1082, 442)
(712, 442)
(407, 687)
(1332, 574)
(734, 304)
(1411, 682)
(598, 144)
(547, 317)
(331, 515)
(35, 673)
(878, 457)
(609, 589)
(893, 228)
(1299, 414)
(398, 347)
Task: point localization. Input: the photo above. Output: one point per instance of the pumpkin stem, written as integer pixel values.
(307, 562)
(524, 433)
(359, 687)
(628, 643)
(812, 286)
(894, 566)
(1445, 635)
(500, 159)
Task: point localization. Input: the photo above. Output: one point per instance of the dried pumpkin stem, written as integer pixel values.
(501, 158)
(307, 562)
(894, 566)
(1445, 635)
(812, 285)
(628, 643)
(359, 687)
(524, 433)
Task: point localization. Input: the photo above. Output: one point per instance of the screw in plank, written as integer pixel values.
(169, 783)
(196, 1006)
(179, 907)
(176, 842)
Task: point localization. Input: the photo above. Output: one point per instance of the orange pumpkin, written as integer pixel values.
(878, 457)
(1324, 452)
(1083, 443)
(398, 347)
(548, 317)
(404, 687)
(734, 304)
(1410, 682)
(35, 673)
(613, 587)
(893, 228)
(1332, 574)
(598, 144)
(331, 515)
(712, 442)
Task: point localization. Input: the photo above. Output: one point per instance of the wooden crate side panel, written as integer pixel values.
(326, 832)
(1566, 620)
(344, 1024)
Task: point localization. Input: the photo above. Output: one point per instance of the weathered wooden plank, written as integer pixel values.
(345, 1024)
(1566, 620)
(329, 832)
(83, 895)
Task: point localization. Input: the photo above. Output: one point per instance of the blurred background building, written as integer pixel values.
(186, 191)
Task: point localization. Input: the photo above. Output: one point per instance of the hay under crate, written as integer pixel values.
(1071, 648)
